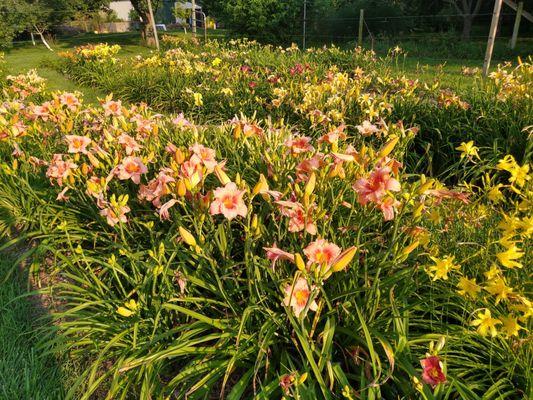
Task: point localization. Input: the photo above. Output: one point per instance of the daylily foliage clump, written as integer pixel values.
(265, 257)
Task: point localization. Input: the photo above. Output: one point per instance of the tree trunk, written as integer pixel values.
(147, 33)
(467, 27)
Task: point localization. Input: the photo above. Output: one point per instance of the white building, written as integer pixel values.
(163, 15)
(122, 8)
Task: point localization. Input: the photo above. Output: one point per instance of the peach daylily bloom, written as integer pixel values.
(298, 220)
(206, 155)
(129, 144)
(375, 187)
(388, 207)
(297, 296)
(113, 216)
(322, 252)
(299, 144)
(163, 211)
(228, 201)
(157, 187)
(58, 169)
(77, 144)
(69, 100)
(180, 121)
(334, 135)
(112, 108)
(131, 168)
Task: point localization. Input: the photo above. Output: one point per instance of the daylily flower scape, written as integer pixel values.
(277, 225)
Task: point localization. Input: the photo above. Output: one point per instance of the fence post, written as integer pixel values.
(492, 36)
(517, 24)
(193, 17)
(154, 28)
(361, 22)
(304, 24)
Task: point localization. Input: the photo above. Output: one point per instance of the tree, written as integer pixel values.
(266, 19)
(141, 8)
(468, 9)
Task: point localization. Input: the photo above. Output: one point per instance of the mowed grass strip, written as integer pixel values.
(25, 374)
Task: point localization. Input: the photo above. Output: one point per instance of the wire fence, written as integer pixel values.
(432, 36)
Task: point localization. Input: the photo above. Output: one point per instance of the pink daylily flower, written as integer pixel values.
(131, 168)
(77, 144)
(129, 144)
(298, 295)
(322, 252)
(228, 201)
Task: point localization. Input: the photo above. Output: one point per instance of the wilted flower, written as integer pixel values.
(274, 254)
(367, 128)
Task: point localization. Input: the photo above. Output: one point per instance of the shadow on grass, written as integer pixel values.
(25, 373)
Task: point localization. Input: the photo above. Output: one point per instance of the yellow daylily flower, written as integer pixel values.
(486, 324)
(442, 267)
(468, 150)
(508, 258)
(468, 287)
(510, 326)
(497, 287)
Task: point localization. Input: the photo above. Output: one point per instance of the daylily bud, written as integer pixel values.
(344, 259)
(299, 261)
(179, 156)
(425, 186)
(255, 222)
(93, 160)
(124, 312)
(261, 185)
(311, 183)
(84, 169)
(221, 175)
(187, 236)
(302, 379)
(388, 147)
(182, 189)
(410, 248)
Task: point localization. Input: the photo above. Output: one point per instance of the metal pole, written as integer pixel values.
(193, 2)
(361, 22)
(517, 24)
(305, 23)
(492, 35)
(154, 29)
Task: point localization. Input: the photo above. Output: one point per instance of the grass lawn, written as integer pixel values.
(24, 372)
